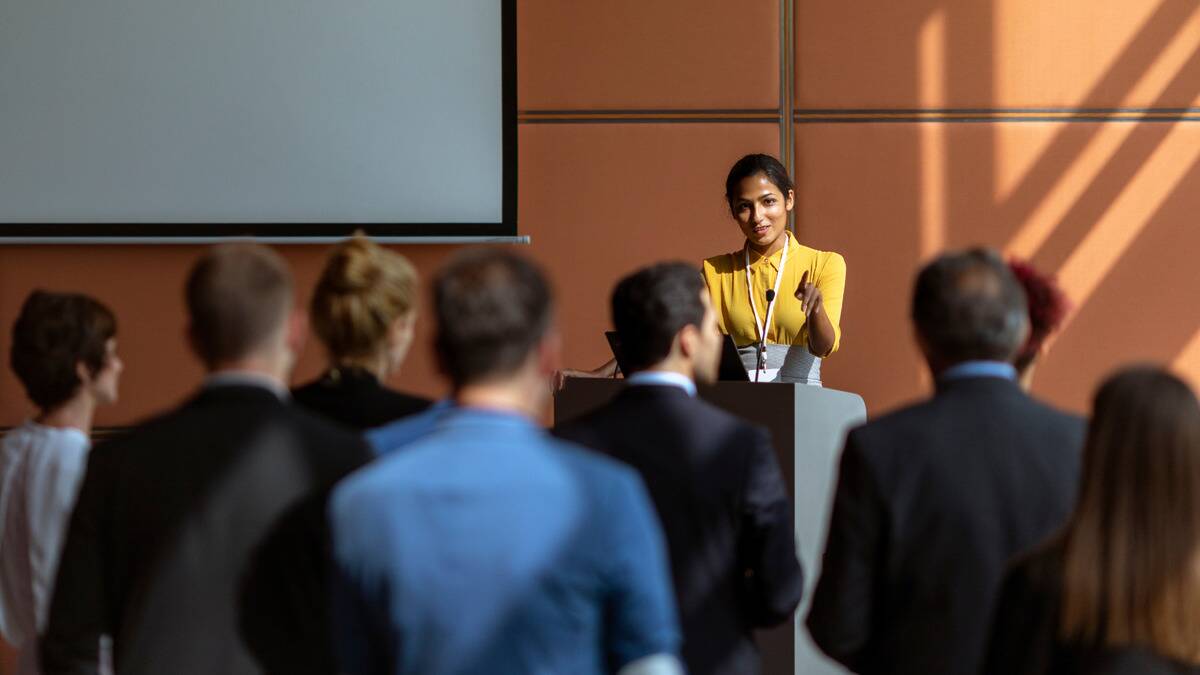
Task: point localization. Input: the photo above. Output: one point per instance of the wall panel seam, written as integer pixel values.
(999, 115)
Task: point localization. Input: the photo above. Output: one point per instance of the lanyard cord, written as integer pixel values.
(762, 327)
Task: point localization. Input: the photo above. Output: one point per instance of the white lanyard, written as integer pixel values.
(762, 327)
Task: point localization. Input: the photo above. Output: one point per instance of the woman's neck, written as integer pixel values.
(770, 249)
(376, 365)
(76, 413)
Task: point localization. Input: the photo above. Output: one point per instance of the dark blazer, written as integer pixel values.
(723, 503)
(167, 522)
(1024, 636)
(931, 503)
(355, 397)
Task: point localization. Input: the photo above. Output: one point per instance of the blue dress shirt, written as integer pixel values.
(488, 546)
(966, 369)
(403, 431)
(662, 379)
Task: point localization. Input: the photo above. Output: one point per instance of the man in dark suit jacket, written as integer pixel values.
(934, 499)
(171, 514)
(713, 477)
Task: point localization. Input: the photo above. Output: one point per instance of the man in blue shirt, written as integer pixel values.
(487, 546)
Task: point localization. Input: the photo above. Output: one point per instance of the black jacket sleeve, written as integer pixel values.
(774, 577)
(1023, 628)
(844, 601)
(80, 611)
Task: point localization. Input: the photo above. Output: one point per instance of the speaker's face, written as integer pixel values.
(761, 211)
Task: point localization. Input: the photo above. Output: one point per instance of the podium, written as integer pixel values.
(808, 426)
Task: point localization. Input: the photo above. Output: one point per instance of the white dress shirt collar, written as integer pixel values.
(662, 378)
(246, 378)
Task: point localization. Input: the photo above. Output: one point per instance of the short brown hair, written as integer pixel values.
(1130, 549)
(238, 296)
(363, 289)
(53, 333)
(967, 305)
(493, 307)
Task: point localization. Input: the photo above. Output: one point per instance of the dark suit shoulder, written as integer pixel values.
(231, 416)
(329, 437)
(961, 412)
(646, 401)
(357, 399)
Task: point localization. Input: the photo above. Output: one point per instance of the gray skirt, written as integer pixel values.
(795, 364)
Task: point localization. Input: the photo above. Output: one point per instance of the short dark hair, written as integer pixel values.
(751, 165)
(237, 295)
(493, 307)
(651, 306)
(968, 305)
(53, 333)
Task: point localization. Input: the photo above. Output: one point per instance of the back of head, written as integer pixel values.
(238, 299)
(363, 289)
(967, 306)
(1047, 308)
(1132, 548)
(53, 334)
(651, 306)
(493, 308)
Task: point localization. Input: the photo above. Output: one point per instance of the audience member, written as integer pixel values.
(713, 477)
(170, 514)
(64, 352)
(364, 312)
(489, 546)
(1118, 590)
(1048, 307)
(933, 500)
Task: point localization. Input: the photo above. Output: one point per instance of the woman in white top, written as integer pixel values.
(64, 353)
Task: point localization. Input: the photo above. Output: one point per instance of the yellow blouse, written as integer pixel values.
(726, 278)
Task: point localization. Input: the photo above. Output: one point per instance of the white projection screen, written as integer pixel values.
(292, 118)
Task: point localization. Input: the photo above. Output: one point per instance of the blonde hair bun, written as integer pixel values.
(363, 289)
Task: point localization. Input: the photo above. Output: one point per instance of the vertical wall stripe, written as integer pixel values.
(787, 60)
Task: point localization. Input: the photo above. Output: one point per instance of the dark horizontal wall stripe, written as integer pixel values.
(635, 116)
(1000, 115)
(654, 120)
(660, 111)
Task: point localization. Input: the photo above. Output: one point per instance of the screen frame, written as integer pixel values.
(306, 232)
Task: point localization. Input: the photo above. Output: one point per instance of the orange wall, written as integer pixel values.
(1103, 201)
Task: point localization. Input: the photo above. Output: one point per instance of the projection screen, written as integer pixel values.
(298, 118)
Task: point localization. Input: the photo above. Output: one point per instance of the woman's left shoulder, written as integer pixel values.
(825, 260)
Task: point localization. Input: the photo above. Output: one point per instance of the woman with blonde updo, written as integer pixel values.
(364, 312)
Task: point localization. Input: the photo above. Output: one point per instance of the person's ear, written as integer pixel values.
(790, 201)
(296, 331)
(83, 373)
(549, 353)
(402, 329)
(688, 339)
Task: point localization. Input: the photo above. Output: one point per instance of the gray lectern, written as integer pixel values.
(808, 425)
